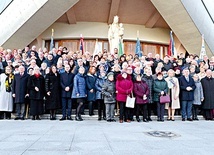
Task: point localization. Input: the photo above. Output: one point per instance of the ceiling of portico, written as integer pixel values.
(141, 12)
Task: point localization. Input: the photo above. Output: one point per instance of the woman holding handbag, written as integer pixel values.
(160, 89)
(174, 89)
(124, 88)
(141, 92)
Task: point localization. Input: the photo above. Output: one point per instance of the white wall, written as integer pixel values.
(100, 30)
(96, 30)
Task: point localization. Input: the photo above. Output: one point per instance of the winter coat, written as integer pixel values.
(186, 95)
(140, 89)
(19, 87)
(98, 86)
(6, 100)
(159, 85)
(149, 80)
(124, 87)
(208, 89)
(198, 93)
(108, 91)
(52, 85)
(36, 82)
(66, 80)
(90, 83)
(175, 90)
(79, 86)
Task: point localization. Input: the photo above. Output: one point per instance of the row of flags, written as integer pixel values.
(138, 49)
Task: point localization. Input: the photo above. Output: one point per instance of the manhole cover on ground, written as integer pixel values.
(164, 134)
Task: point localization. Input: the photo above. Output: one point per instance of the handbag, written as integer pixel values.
(164, 99)
(130, 101)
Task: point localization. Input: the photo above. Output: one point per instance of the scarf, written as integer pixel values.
(37, 75)
(8, 82)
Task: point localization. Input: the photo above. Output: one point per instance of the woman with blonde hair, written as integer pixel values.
(36, 89)
(173, 86)
(6, 100)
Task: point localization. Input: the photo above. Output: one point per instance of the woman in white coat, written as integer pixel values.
(174, 90)
(6, 100)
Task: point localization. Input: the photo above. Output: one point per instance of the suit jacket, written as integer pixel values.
(186, 95)
(66, 80)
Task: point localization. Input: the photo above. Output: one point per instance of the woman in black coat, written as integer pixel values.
(36, 89)
(52, 88)
(91, 94)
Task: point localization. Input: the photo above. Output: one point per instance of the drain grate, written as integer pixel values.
(163, 134)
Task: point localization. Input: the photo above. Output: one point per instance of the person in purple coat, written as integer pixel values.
(141, 92)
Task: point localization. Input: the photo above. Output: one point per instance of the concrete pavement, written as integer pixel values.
(91, 137)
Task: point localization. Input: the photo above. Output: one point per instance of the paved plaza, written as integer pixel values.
(92, 137)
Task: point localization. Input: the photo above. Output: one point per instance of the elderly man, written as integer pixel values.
(187, 87)
(19, 91)
(208, 89)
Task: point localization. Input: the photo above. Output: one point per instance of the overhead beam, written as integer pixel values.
(153, 19)
(113, 10)
(71, 16)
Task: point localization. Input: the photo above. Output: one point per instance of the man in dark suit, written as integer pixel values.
(19, 91)
(66, 81)
(187, 87)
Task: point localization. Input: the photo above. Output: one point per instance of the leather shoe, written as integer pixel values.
(17, 118)
(145, 120)
(78, 118)
(149, 119)
(22, 118)
(138, 119)
(69, 118)
(62, 119)
(189, 119)
(108, 120)
(121, 121)
(113, 120)
(38, 118)
(196, 119)
(99, 118)
(183, 119)
(128, 121)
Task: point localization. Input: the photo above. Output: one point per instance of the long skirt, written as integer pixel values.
(36, 107)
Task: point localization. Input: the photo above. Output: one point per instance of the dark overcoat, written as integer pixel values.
(159, 85)
(52, 85)
(208, 89)
(141, 89)
(19, 87)
(90, 83)
(36, 82)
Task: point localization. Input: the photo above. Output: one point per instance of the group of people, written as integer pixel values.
(41, 80)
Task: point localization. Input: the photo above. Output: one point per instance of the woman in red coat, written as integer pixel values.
(141, 92)
(124, 87)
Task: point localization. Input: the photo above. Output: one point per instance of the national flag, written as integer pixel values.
(171, 50)
(203, 51)
(120, 49)
(96, 49)
(52, 40)
(81, 44)
(138, 49)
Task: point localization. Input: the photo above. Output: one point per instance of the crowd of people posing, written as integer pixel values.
(60, 79)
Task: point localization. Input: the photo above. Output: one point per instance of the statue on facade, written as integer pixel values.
(115, 34)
